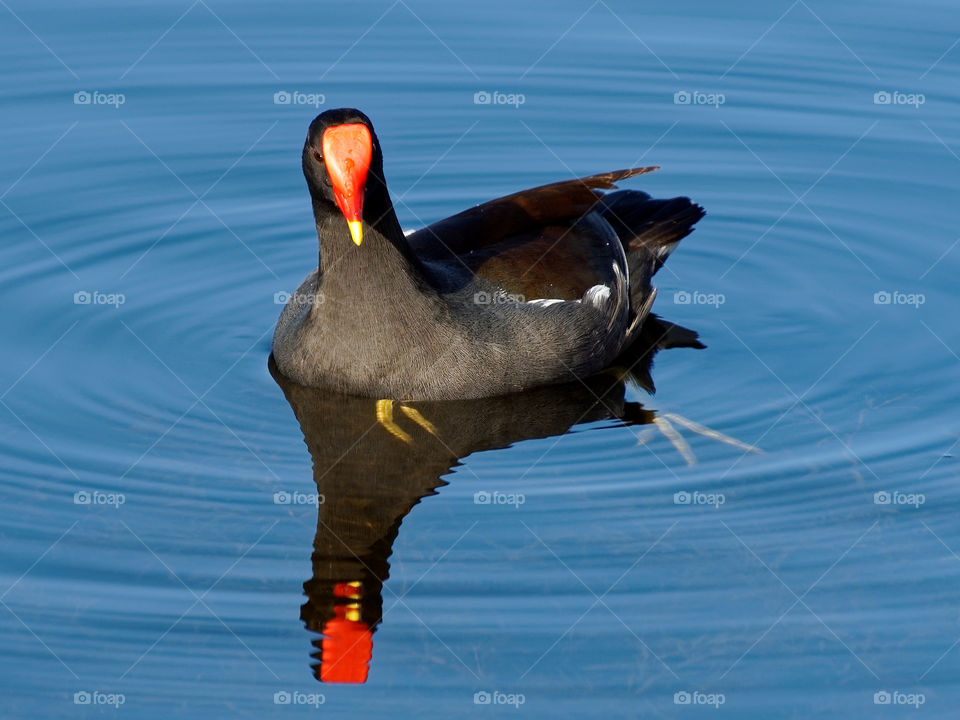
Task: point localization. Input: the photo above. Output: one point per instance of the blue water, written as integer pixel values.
(823, 281)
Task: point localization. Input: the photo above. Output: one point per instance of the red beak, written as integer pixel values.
(347, 150)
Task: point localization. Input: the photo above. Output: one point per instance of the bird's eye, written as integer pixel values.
(316, 156)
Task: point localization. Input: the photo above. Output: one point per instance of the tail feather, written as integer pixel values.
(643, 222)
(650, 230)
(655, 334)
(665, 334)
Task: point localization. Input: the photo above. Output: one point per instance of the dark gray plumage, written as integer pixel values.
(540, 287)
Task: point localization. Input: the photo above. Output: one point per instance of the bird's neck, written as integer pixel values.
(381, 269)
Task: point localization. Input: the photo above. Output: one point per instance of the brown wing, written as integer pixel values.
(558, 262)
(522, 212)
(537, 243)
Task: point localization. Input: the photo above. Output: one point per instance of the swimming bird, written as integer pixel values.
(543, 286)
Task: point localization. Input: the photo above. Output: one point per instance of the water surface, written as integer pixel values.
(829, 252)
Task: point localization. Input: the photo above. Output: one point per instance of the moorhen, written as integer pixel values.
(544, 286)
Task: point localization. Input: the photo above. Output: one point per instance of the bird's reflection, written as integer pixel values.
(370, 475)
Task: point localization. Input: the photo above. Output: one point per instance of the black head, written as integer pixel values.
(328, 181)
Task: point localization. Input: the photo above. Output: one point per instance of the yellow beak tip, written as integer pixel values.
(356, 231)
